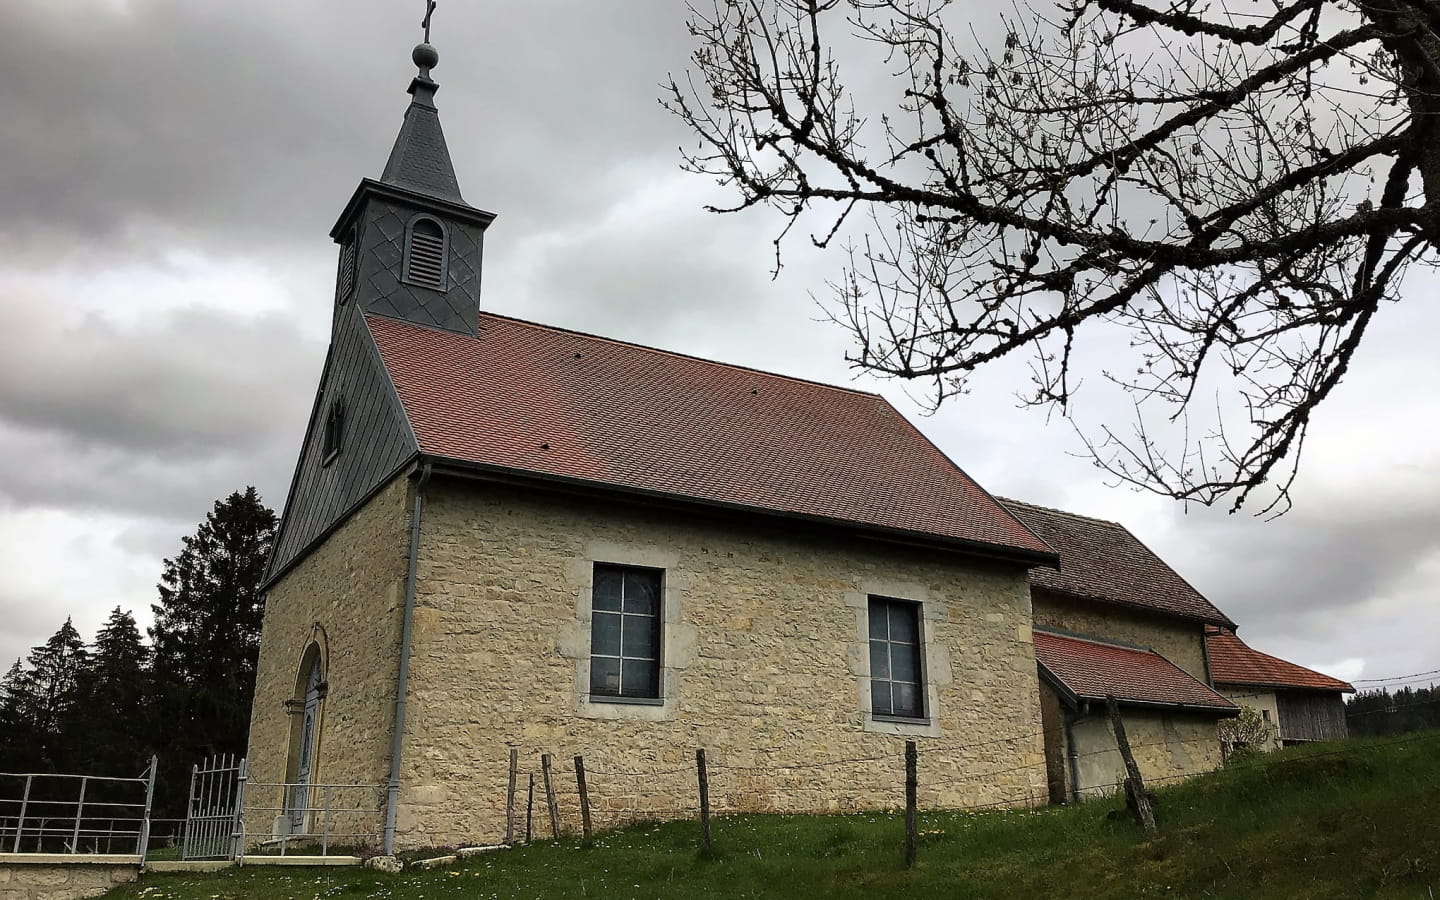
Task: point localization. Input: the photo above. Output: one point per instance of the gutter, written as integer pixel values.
(402, 686)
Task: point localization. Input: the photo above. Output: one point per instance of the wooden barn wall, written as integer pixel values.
(1311, 715)
(377, 441)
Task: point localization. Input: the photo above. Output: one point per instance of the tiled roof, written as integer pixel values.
(542, 400)
(1089, 669)
(1232, 661)
(1102, 560)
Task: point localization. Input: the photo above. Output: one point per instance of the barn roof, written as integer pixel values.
(1103, 561)
(1232, 661)
(529, 398)
(1085, 668)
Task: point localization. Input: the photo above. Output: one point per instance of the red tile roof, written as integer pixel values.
(543, 400)
(1089, 669)
(1232, 661)
(1102, 560)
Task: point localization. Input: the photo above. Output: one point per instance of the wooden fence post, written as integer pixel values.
(584, 796)
(510, 798)
(911, 782)
(1136, 796)
(550, 796)
(529, 807)
(704, 799)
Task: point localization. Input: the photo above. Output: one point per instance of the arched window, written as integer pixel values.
(334, 431)
(426, 253)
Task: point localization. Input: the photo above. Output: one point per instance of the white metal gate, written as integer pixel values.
(212, 819)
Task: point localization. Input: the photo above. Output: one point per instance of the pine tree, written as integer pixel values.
(15, 737)
(46, 692)
(206, 636)
(110, 732)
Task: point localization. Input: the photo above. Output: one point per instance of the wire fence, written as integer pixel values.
(904, 772)
(299, 819)
(76, 814)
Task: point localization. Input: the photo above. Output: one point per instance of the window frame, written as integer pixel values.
(406, 276)
(916, 610)
(656, 697)
(333, 440)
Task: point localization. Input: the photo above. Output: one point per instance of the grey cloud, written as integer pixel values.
(221, 123)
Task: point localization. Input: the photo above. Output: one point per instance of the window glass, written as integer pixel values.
(896, 683)
(625, 632)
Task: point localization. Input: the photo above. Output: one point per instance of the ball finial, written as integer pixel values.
(425, 56)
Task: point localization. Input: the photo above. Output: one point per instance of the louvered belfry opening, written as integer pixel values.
(346, 281)
(425, 254)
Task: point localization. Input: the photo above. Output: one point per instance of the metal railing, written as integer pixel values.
(212, 818)
(76, 814)
(311, 819)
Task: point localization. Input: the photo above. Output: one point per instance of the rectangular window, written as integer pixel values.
(896, 685)
(625, 633)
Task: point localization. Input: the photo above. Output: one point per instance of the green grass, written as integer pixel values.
(1360, 819)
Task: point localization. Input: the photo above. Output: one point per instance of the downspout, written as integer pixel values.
(1074, 752)
(1074, 757)
(402, 687)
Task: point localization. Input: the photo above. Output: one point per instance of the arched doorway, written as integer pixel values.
(310, 691)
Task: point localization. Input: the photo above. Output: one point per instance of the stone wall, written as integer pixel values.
(347, 599)
(30, 879)
(1258, 698)
(1180, 641)
(766, 666)
(1165, 745)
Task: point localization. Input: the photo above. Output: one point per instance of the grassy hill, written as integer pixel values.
(1351, 820)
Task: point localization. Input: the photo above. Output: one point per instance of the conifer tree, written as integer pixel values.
(206, 635)
(14, 733)
(110, 733)
(45, 692)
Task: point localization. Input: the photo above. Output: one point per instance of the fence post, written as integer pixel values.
(584, 796)
(550, 796)
(144, 847)
(325, 821)
(529, 807)
(510, 798)
(79, 815)
(24, 807)
(911, 782)
(1136, 797)
(237, 818)
(704, 778)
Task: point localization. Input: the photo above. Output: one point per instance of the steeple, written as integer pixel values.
(410, 246)
(420, 160)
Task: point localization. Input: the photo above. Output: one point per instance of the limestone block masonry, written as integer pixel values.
(765, 664)
(23, 878)
(1166, 747)
(346, 598)
(1178, 640)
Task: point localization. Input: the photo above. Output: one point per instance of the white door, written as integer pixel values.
(300, 791)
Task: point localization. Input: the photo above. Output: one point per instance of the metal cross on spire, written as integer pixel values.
(429, 11)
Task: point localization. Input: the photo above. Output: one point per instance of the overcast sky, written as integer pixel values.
(169, 172)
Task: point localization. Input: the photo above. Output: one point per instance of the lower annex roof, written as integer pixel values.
(1089, 668)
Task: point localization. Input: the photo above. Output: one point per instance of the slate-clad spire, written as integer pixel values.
(420, 160)
(410, 246)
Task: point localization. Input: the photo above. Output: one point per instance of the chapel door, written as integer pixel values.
(300, 791)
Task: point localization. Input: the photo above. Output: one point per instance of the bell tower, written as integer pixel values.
(410, 246)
